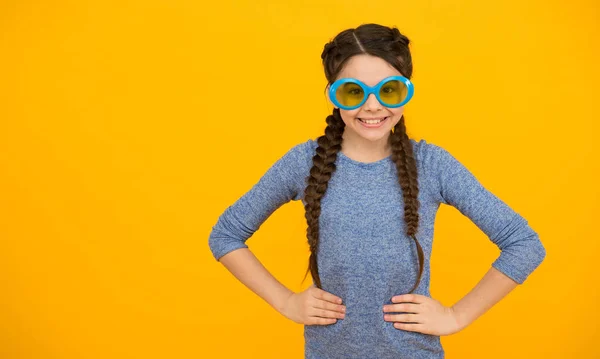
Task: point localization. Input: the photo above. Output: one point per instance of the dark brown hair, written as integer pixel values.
(392, 46)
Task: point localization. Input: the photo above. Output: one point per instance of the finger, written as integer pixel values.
(323, 295)
(321, 321)
(407, 318)
(413, 298)
(403, 307)
(322, 304)
(324, 313)
(410, 327)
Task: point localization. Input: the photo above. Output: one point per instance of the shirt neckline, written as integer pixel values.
(364, 164)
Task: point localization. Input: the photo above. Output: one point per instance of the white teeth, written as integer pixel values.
(372, 121)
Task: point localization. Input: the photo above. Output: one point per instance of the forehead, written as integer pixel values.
(368, 69)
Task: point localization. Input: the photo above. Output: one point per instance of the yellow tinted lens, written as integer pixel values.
(393, 92)
(349, 94)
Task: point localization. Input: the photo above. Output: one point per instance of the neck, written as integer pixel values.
(364, 150)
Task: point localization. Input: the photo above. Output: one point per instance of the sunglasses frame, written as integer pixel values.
(368, 90)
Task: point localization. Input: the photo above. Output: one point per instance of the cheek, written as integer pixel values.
(397, 114)
(348, 116)
(398, 111)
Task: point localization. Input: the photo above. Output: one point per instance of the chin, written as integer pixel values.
(374, 136)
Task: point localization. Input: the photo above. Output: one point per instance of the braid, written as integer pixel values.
(402, 155)
(320, 173)
(399, 37)
(326, 49)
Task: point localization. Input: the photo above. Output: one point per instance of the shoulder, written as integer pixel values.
(303, 152)
(435, 162)
(310, 146)
(428, 154)
(297, 161)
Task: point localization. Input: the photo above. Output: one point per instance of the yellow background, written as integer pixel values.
(127, 128)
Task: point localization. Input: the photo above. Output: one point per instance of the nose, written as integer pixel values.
(372, 104)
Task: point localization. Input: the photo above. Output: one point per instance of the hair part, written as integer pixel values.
(392, 46)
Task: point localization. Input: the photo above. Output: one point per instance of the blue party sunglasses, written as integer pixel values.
(350, 93)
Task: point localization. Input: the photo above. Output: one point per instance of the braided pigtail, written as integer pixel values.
(323, 167)
(403, 158)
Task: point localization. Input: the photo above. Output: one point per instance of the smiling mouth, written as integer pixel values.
(372, 122)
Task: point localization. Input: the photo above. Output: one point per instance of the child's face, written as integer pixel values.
(370, 70)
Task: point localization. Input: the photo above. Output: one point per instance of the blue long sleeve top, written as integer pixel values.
(365, 256)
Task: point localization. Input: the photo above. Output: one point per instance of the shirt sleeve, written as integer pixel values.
(521, 249)
(282, 182)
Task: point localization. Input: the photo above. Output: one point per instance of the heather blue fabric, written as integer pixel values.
(364, 255)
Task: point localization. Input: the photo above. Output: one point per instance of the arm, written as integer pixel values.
(283, 182)
(521, 249)
(494, 286)
(244, 265)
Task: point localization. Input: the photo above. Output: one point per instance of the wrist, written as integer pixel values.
(460, 316)
(280, 302)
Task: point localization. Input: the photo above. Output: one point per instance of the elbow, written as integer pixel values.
(536, 253)
(526, 240)
(521, 258)
(231, 232)
(539, 252)
(220, 244)
(214, 246)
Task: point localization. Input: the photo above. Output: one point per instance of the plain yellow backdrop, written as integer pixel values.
(127, 128)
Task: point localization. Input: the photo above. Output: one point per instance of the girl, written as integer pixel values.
(371, 195)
